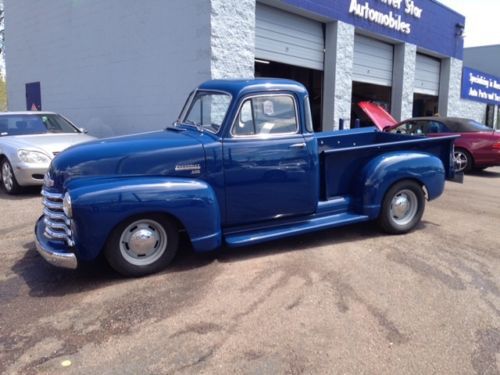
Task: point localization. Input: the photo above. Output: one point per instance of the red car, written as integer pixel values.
(477, 148)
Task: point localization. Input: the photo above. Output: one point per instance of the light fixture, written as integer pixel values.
(459, 29)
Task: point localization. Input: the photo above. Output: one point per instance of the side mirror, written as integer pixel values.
(83, 130)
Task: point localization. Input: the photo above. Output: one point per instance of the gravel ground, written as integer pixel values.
(350, 300)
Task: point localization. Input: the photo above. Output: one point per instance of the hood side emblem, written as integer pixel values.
(194, 168)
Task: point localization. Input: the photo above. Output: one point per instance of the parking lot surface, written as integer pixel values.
(350, 300)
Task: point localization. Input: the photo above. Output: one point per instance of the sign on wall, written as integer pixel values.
(426, 23)
(393, 18)
(480, 87)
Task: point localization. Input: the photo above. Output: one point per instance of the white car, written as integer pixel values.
(28, 142)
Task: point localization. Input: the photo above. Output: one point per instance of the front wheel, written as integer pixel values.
(402, 208)
(9, 182)
(142, 245)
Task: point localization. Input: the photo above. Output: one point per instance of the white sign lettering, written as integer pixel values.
(480, 86)
(390, 20)
(483, 81)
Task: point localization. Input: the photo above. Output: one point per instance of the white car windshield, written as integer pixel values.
(34, 124)
(207, 110)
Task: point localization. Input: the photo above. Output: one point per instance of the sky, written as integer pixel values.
(482, 20)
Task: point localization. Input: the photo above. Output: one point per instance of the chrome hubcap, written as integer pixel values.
(7, 177)
(460, 161)
(143, 242)
(404, 207)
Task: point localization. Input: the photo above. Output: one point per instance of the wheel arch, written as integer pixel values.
(384, 171)
(100, 207)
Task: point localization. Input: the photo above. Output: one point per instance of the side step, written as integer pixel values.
(252, 237)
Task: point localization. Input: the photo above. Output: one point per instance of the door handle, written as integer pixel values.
(298, 145)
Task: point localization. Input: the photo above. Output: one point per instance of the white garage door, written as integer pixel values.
(427, 74)
(287, 38)
(373, 61)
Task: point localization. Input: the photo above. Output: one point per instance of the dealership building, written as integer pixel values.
(125, 66)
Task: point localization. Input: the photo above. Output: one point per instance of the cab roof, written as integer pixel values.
(238, 87)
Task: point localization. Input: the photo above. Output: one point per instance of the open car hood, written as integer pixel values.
(380, 117)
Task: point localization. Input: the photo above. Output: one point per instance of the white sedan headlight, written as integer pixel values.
(68, 210)
(33, 157)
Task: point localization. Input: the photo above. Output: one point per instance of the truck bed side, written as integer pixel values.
(343, 155)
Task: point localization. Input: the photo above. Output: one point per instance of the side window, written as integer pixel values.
(418, 128)
(431, 127)
(309, 120)
(266, 115)
(245, 124)
(405, 128)
(434, 127)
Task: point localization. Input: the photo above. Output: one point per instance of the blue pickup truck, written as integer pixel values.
(240, 166)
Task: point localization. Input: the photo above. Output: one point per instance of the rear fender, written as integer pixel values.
(100, 206)
(385, 170)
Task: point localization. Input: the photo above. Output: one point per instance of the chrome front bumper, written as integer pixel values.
(53, 252)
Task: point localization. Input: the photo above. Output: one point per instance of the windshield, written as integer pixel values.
(34, 124)
(208, 110)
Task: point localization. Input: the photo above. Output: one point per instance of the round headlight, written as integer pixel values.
(68, 211)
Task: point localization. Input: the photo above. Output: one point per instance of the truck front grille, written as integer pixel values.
(57, 224)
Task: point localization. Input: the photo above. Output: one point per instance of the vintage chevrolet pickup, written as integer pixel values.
(240, 166)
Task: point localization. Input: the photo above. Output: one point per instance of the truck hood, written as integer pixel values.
(162, 153)
(380, 117)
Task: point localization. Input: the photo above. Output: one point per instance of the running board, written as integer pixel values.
(252, 237)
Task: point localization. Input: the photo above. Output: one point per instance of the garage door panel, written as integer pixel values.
(288, 38)
(308, 33)
(303, 56)
(265, 42)
(427, 75)
(373, 61)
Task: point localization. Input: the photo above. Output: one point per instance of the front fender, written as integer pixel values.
(100, 205)
(383, 171)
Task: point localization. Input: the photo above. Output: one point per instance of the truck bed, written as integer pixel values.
(344, 153)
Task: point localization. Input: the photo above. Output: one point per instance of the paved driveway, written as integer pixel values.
(349, 300)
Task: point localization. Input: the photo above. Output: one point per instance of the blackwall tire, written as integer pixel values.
(402, 208)
(8, 179)
(142, 245)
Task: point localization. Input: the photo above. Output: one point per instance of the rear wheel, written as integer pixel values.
(142, 245)
(9, 182)
(463, 160)
(402, 208)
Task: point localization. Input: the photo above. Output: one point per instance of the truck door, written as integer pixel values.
(268, 165)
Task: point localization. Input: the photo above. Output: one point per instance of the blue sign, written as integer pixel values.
(425, 23)
(480, 87)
